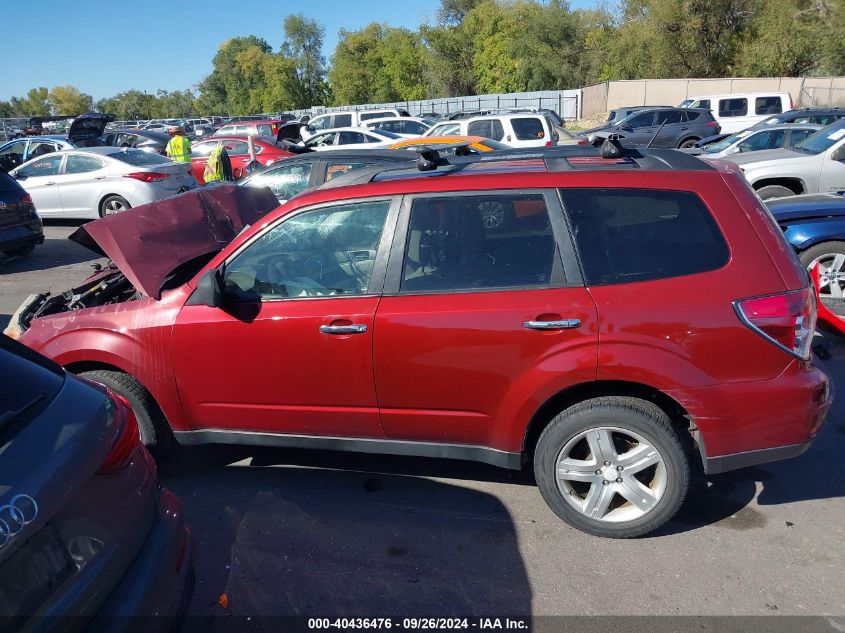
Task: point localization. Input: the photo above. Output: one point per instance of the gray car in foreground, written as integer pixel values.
(86, 534)
(659, 127)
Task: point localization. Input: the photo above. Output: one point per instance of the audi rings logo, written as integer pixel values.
(15, 515)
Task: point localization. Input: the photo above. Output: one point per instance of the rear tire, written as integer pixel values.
(155, 431)
(774, 191)
(113, 204)
(832, 271)
(592, 452)
(690, 142)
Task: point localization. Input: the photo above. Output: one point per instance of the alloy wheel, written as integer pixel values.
(492, 214)
(114, 206)
(611, 474)
(831, 275)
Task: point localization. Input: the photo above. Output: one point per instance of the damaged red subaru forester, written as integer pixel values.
(610, 320)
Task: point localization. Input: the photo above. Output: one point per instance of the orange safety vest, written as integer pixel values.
(179, 149)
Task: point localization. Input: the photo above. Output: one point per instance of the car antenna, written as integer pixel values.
(655, 134)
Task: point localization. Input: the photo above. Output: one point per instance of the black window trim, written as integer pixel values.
(376, 284)
(565, 271)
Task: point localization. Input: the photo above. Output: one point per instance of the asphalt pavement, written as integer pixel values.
(285, 532)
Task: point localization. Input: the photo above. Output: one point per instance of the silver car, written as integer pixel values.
(99, 181)
(756, 140)
(815, 165)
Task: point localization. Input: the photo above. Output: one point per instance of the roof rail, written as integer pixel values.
(612, 155)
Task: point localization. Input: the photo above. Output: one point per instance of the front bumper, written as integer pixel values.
(13, 237)
(160, 582)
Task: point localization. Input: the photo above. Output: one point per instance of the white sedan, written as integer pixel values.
(98, 181)
(404, 126)
(356, 137)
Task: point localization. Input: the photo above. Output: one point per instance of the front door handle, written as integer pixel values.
(355, 328)
(47, 184)
(563, 324)
(100, 177)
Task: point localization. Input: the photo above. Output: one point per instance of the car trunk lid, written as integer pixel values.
(148, 242)
(88, 126)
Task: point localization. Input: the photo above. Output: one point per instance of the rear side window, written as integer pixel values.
(342, 120)
(733, 107)
(701, 103)
(478, 242)
(768, 105)
(527, 129)
(78, 164)
(668, 117)
(691, 115)
(488, 128)
(627, 235)
(264, 129)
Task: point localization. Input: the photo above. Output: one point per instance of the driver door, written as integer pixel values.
(639, 129)
(290, 351)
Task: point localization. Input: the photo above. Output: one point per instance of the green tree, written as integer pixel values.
(303, 45)
(69, 100)
(36, 103)
(236, 78)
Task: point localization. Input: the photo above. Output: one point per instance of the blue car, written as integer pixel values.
(85, 131)
(814, 224)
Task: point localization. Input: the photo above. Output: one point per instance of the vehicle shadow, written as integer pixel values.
(54, 252)
(292, 540)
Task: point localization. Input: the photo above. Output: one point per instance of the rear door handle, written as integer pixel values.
(563, 324)
(355, 328)
(99, 177)
(47, 184)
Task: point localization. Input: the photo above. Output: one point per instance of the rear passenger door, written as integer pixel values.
(483, 317)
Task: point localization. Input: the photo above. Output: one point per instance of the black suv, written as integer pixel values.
(816, 116)
(20, 226)
(660, 127)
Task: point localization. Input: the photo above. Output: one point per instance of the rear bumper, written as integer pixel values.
(12, 237)
(160, 582)
(743, 424)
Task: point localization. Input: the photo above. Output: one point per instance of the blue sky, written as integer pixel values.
(104, 47)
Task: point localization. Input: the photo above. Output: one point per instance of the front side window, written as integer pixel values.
(768, 105)
(478, 242)
(628, 235)
(46, 166)
(756, 142)
(321, 140)
(645, 119)
(701, 103)
(668, 117)
(412, 127)
(77, 164)
(527, 129)
(445, 129)
(320, 253)
(14, 148)
(41, 148)
(285, 182)
(733, 107)
(798, 136)
(320, 123)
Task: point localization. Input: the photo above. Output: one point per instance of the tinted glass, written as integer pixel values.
(755, 142)
(626, 235)
(14, 148)
(668, 117)
(823, 139)
(46, 166)
(321, 140)
(285, 182)
(447, 129)
(691, 115)
(822, 119)
(77, 164)
(412, 127)
(366, 116)
(336, 169)
(639, 120)
(264, 129)
(478, 242)
(138, 158)
(352, 138)
(767, 105)
(733, 107)
(490, 128)
(342, 120)
(799, 135)
(319, 253)
(701, 103)
(527, 129)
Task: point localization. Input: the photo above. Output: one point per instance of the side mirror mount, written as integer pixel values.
(209, 290)
(838, 153)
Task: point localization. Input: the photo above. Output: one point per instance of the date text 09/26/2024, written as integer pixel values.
(422, 624)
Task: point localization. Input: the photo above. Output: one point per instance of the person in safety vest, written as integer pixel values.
(179, 146)
(219, 166)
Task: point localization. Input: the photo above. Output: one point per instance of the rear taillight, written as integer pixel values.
(549, 143)
(788, 320)
(126, 440)
(147, 176)
(711, 124)
(583, 142)
(26, 199)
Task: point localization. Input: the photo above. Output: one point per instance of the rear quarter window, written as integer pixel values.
(733, 107)
(628, 235)
(528, 129)
(768, 105)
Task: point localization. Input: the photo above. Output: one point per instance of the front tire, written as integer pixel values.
(612, 467)
(113, 204)
(830, 256)
(774, 191)
(152, 425)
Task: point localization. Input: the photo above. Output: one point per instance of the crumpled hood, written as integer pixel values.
(149, 242)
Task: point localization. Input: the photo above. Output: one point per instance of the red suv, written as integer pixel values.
(610, 321)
